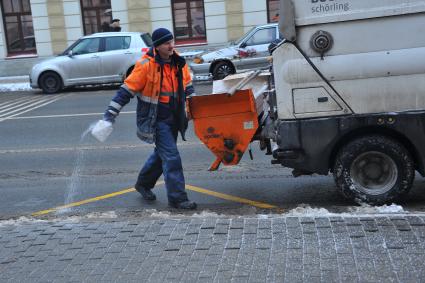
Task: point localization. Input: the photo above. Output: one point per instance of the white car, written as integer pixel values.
(95, 59)
(249, 52)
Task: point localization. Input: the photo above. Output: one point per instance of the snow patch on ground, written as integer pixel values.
(158, 214)
(167, 214)
(207, 214)
(263, 216)
(28, 220)
(302, 210)
(93, 215)
(364, 209)
(108, 214)
(306, 210)
(20, 221)
(15, 87)
(385, 209)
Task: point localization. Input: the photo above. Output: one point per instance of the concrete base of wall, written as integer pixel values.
(18, 67)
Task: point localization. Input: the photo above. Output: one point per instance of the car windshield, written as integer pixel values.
(147, 39)
(86, 46)
(69, 48)
(239, 41)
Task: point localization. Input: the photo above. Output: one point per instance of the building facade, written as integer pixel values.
(39, 28)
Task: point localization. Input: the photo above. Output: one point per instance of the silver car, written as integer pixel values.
(249, 52)
(95, 59)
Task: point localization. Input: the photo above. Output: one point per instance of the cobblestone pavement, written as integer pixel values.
(189, 249)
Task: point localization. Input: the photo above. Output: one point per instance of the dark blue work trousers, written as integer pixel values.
(165, 160)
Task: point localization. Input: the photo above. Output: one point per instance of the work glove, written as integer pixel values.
(109, 117)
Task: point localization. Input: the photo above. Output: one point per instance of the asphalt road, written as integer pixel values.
(47, 163)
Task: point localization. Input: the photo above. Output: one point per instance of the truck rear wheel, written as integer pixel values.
(374, 169)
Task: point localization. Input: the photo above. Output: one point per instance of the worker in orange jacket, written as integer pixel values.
(161, 81)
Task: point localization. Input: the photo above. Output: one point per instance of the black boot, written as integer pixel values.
(183, 205)
(147, 194)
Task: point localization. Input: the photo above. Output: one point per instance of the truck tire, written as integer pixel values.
(374, 169)
(50, 82)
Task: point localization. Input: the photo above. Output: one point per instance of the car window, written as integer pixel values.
(239, 41)
(147, 39)
(87, 45)
(117, 43)
(262, 36)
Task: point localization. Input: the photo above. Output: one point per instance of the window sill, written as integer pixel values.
(19, 56)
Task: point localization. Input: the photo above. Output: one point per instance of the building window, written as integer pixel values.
(273, 11)
(97, 15)
(189, 21)
(18, 27)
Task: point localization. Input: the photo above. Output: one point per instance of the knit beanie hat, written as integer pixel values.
(160, 36)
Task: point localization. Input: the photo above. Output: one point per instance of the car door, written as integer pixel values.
(83, 64)
(253, 51)
(117, 57)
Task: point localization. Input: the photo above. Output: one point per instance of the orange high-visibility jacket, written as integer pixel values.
(145, 83)
(146, 79)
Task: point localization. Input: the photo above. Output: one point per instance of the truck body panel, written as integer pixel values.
(365, 82)
(315, 12)
(376, 53)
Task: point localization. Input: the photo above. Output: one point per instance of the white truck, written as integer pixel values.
(350, 94)
(346, 95)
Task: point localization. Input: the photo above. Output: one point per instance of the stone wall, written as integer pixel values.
(216, 21)
(56, 19)
(234, 14)
(160, 13)
(254, 13)
(73, 20)
(40, 17)
(139, 15)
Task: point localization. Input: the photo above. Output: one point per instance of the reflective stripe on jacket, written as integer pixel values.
(169, 84)
(144, 82)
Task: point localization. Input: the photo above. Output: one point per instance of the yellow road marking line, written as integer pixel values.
(130, 190)
(86, 201)
(231, 198)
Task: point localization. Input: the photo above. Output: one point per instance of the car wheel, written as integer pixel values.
(222, 70)
(374, 169)
(50, 82)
